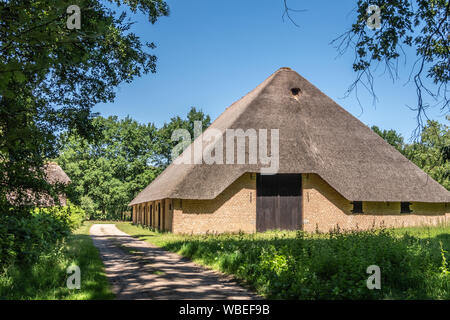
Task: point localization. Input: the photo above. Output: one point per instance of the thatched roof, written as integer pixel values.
(55, 174)
(316, 136)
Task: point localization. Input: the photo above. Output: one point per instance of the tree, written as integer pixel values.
(423, 25)
(431, 153)
(89, 207)
(392, 137)
(51, 76)
(111, 170)
(108, 172)
(165, 143)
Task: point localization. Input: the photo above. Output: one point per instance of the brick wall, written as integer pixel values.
(324, 209)
(233, 210)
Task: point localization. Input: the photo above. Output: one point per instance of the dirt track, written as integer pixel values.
(138, 270)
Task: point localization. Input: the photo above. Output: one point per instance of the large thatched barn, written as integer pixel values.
(332, 171)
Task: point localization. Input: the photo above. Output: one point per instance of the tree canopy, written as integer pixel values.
(113, 167)
(423, 25)
(108, 172)
(165, 143)
(431, 153)
(51, 76)
(378, 37)
(392, 137)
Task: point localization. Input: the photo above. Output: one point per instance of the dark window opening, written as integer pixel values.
(404, 207)
(150, 215)
(145, 214)
(357, 207)
(159, 216)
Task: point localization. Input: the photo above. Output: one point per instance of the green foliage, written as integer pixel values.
(46, 277)
(444, 267)
(297, 265)
(24, 237)
(164, 135)
(431, 153)
(50, 77)
(89, 207)
(125, 157)
(108, 172)
(423, 25)
(392, 137)
(70, 216)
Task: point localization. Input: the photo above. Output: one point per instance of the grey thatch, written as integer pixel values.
(55, 174)
(316, 136)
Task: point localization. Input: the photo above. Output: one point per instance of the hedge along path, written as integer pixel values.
(139, 270)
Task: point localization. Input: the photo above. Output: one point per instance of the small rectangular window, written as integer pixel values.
(357, 207)
(404, 207)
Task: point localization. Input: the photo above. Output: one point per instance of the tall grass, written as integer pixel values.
(297, 265)
(46, 278)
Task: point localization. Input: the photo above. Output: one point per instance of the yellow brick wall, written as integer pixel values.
(233, 210)
(324, 209)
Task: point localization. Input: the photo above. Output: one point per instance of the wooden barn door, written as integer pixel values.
(278, 202)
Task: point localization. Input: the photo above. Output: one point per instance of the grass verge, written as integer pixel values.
(295, 265)
(46, 279)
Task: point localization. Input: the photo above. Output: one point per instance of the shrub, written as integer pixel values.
(99, 215)
(89, 206)
(290, 265)
(46, 278)
(23, 237)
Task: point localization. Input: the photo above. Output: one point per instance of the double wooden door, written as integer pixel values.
(278, 202)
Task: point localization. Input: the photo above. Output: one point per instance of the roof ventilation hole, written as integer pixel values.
(295, 91)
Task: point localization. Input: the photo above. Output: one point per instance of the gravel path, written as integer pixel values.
(139, 270)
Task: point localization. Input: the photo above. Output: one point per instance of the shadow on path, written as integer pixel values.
(139, 270)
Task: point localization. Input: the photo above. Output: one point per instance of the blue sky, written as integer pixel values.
(211, 53)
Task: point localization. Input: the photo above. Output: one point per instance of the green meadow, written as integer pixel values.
(297, 265)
